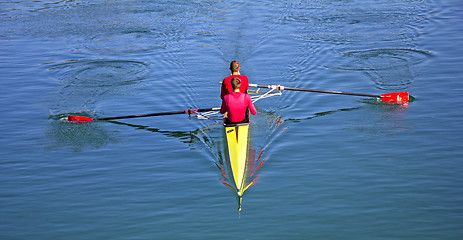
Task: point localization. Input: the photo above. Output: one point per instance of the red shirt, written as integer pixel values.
(227, 87)
(236, 104)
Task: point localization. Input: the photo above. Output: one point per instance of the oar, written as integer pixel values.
(398, 97)
(72, 118)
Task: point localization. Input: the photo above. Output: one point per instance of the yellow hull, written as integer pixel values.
(237, 153)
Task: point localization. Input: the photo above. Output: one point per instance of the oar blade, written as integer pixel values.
(79, 119)
(398, 97)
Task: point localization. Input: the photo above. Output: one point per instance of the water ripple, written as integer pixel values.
(100, 73)
(77, 137)
(84, 82)
(389, 68)
(125, 43)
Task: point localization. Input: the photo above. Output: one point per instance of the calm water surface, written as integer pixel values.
(338, 167)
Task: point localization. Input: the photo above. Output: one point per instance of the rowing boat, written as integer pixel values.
(240, 162)
(237, 136)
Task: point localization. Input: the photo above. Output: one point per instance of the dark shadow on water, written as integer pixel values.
(321, 114)
(189, 137)
(368, 101)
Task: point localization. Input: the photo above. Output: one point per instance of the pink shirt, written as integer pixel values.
(236, 104)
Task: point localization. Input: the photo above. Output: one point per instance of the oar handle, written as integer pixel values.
(278, 87)
(188, 111)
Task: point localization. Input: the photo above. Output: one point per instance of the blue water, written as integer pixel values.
(337, 167)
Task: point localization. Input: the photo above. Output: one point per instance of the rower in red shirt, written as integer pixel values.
(235, 72)
(236, 104)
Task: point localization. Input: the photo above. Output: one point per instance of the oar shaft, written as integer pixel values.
(188, 111)
(278, 87)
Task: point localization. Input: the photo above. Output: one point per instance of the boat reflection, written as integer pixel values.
(265, 128)
(240, 174)
(238, 179)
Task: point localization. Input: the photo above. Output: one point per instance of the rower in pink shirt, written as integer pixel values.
(236, 104)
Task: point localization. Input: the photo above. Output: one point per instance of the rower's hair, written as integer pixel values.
(236, 83)
(234, 66)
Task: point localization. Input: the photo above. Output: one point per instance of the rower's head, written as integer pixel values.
(236, 83)
(234, 66)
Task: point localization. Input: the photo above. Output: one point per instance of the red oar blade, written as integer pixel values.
(398, 97)
(79, 119)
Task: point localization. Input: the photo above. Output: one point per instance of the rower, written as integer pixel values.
(235, 72)
(236, 104)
